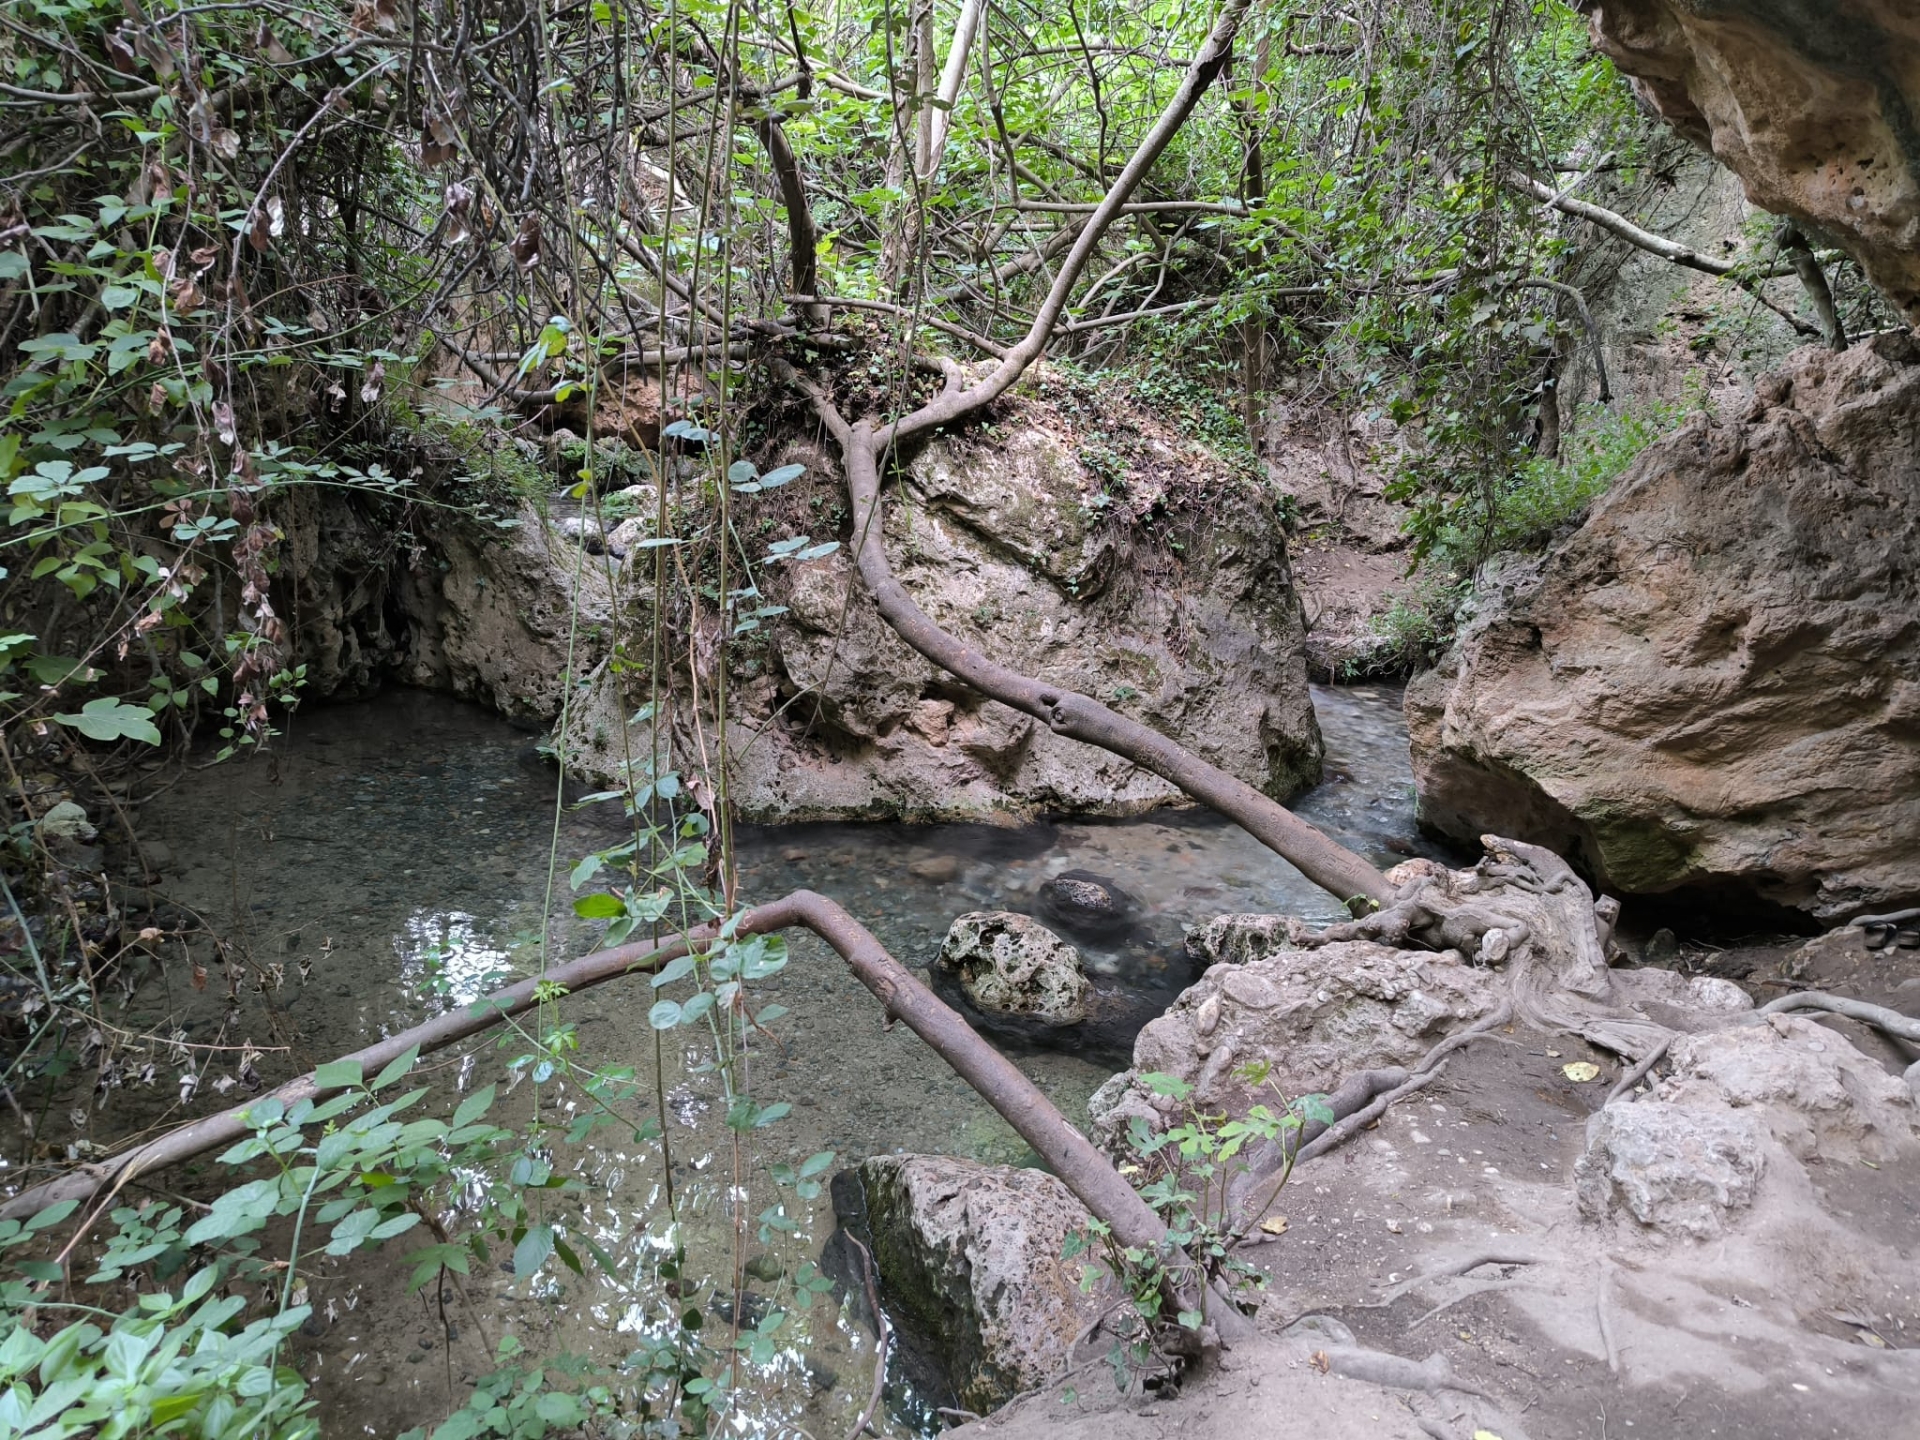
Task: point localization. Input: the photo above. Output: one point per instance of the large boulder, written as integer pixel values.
(1810, 102)
(1673, 1168)
(1813, 1090)
(1715, 681)
(970, 1261)
(1012, 965)
(1072, 538)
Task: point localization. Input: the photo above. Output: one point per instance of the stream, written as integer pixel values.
(390, 858)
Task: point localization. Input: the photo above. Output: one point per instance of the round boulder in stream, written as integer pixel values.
(1012, 965)
(1087, 904)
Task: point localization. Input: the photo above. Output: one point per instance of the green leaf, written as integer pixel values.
(110, 719)
(677, 968)
(338, 1075)
(599, 907)
(400, 1066)
(473, 1107)
(532, 1251)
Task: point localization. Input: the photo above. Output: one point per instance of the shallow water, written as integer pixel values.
(391, 858)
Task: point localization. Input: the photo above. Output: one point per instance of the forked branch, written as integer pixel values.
(864, 445)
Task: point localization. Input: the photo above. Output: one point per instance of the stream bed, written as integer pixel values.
(391, 858)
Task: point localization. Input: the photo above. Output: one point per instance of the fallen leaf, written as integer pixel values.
(1485, 1435)
(1320, 1362)
(1274, 1225)
(1581, 1071)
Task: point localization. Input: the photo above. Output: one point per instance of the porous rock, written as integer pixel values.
(1313, 1016)
(1809, 102)
(1715, 681)
(1013, 965)
(1810, 1086)
(970, 1258)
(1675, 1168)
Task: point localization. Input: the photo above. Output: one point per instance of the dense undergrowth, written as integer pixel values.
(380, 252)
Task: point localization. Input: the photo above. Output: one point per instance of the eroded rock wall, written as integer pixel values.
(1715, 681)
(1812, 103)
(1097, 549)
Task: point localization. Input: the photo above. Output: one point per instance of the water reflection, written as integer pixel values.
(447, 953)
(402, 848)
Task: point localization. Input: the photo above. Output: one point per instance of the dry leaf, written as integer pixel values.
(525, 245)
(1274, 1225)
(223, 421)
(1580, 1071)
(370, 391)
(459, 200)
(120, 54)
(1485, 1435)
(268, 44)
(1320, 1362)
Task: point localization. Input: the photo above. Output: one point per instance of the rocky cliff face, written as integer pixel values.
(1813, 103)
(1716, 680)
(1092, 546)
(457, 604)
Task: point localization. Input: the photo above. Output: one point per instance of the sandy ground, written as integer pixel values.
(1802, 1320)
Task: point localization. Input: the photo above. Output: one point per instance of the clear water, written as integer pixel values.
(383, 845)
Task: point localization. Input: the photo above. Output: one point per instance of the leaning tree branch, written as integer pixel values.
(864, 444)
(1068, 1153)
(1587, 323)
(1813, 280)
(1672, 251)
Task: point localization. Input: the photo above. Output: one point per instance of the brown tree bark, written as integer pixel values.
(865, 444)
(1068, 1153)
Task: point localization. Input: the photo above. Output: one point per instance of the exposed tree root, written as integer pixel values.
(1396, 1372)
(1639, 1072)
(882, 1343)
(1464, 1265)
(1891, 1022)
(1085, 1171)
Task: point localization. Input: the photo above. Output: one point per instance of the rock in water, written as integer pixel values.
(1091, 904)
(1677, 1169)
(970, 1258)
(1013, 965)
(1715, 681)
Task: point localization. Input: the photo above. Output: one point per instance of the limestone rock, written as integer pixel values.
(1158, 582)
(1715, 681)
(478, 610)
(1013, 965)
(494, 625)
(1313, 1016)
(1678, 1169)
(1236, 939)
(1812, 1088)
(970, 1258)
(1809, 104)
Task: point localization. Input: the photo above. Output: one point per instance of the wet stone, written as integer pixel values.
(1082, 902)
